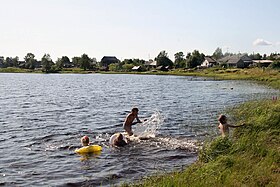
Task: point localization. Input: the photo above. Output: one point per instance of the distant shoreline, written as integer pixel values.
(269, 77)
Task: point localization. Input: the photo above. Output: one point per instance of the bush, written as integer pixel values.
(275, 65)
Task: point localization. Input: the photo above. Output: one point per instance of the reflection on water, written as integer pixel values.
(43, 118)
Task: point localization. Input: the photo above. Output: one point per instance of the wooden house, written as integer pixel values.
(151, 64)
(238, 61)
(209, 62)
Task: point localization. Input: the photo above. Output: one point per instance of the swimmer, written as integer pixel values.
(224, 126)
(119, 140)
(87, 148)
(85, 141)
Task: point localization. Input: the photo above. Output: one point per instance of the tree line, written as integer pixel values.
(190, 60)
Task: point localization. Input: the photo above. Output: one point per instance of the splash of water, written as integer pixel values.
(149, 127)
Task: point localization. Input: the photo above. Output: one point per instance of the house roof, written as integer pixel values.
(151, 63)
(262, 61)
(109, 58)
(210, 59)
(235, 58)
(136, 67)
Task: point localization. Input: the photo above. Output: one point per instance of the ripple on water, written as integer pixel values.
(44, 117)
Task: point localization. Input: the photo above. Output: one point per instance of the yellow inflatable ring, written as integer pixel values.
(89, 149)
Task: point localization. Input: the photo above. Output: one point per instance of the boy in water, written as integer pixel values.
(129, 121)
(85, 141)
(119, 140)
(224, 126)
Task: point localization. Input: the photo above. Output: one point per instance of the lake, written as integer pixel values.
(43, 117)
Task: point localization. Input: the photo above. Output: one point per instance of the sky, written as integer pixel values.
(137, 28)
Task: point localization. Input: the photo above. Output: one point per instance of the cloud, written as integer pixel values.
(277, 43)
(261, 42)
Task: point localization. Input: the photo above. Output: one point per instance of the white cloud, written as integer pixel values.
(261, 42)
(277, 43)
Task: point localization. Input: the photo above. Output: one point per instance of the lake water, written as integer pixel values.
(43, 117)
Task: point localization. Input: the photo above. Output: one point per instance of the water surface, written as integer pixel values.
(43, 118)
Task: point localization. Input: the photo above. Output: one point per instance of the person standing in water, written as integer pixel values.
(129, 121)
(224, 126)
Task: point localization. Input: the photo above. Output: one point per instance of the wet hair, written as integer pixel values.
(85, 140)
(222, 119)
(134, 109)
(119, 141)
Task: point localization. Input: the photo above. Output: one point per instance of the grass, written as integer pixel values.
(14, 70)
(251, 157)
(270, 77)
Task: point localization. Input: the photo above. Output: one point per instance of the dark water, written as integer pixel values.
(42, 118)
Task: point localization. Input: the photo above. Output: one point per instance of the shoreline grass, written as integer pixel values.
(250, 157)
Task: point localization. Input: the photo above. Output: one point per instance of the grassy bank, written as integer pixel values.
(15, 70)
(270, 77)
(250, 157)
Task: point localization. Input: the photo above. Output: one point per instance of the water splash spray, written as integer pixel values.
(149, 127)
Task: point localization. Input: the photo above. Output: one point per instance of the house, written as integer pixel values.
(68, 64)
(163, 68)
(21, 64)
(107, 60)
(209, 62)
(238, 61)
(136, 68)
(262, 63)
(151, 64)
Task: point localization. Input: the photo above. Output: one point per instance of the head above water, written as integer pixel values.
(222, 119)
(119, 137)
(119, 140)
(85, 140)
(134, 110)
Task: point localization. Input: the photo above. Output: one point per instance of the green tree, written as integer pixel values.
(163, 60)
(127, 67)
(64, 61)
(218, 54)
(30, 61)
(76, 61)
(195, 59)
(113, 67)
(256, 56)
(135, 62)
(15, 61)
(179, 60)
(47, 63)
(85, 62)
(275, 65)
(8, 62)
(127, 61)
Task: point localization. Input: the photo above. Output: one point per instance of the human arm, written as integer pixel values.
(134, 123)
(235, 126)
(138, 120)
